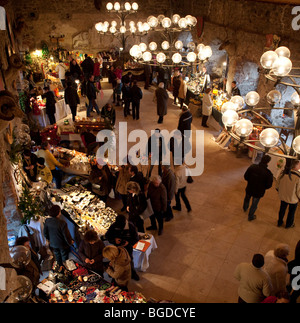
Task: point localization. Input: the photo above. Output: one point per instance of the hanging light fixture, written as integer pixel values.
(122, 10)
(277, 67)
(175, 53)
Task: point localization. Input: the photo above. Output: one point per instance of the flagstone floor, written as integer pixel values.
(198, 251)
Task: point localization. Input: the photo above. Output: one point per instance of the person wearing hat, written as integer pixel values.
(185, 121)
(43, 172)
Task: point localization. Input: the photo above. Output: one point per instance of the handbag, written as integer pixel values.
(190, 179)
(148, 211)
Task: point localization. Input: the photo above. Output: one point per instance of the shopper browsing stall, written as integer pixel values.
(30, 164)
(50, 104)
(51, 162)
(119, 267)
(43, 172)
(72, 99)
(57, 233)
(90, 251)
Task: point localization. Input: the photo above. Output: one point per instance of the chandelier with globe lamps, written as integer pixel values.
(236, 113)
(171, 52)
(122, 29)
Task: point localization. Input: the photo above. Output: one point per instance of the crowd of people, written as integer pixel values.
(269, 278)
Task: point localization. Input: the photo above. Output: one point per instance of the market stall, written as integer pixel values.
(76, 284)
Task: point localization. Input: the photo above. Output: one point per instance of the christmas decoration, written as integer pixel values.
(30, 205)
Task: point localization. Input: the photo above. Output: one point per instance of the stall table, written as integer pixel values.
(141, 257)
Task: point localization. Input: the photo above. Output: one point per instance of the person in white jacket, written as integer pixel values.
(61, 70)
(207, 104)
(276, 266)
(289, 194)
(180, 188)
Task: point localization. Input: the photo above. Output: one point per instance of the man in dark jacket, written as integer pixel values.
(157, 194)
(156, 141)
(259, 179)
(57, 233)
(126, 97)
(185, 121)
(169, 181)
(72, 98)
(136, 96)
(161, 97)
(91, 94)
(50, 104)
(235, 90)
(87, 66)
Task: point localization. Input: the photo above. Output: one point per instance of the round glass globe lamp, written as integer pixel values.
(238, 101)
(267, 59)
(165, 45)
(229, 118)
(273, 97)
(176, 58)
(228, 106)
(295, 99)
(191, 57)
(296, 145)
(269, 137)
(252, 98)
(153, 46)
(147, 56)
(283, 51)
(282, 66)
(243, 128)
(179, 45)
(161, 58)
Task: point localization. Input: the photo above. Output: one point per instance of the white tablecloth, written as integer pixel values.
(62, 111)
(141, 259)
(38, 228)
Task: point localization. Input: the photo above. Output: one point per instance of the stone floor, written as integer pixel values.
(198, 251)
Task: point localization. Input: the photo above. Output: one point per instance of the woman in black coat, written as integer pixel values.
(137, 204)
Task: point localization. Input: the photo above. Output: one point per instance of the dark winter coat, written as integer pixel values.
(50, 102)
(162, 98)
(158, 197)
(185, 121)
(92, 251)
(57, 232)
(136, 93)
(71, 96)
(259, 179)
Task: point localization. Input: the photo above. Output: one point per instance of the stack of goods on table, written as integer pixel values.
(95, 124)
(73, 283)
(76, 160)
(85, 209)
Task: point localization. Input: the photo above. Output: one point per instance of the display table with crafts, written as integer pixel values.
(78, 163)
(62, 110)
(73, 283)
(142, 250)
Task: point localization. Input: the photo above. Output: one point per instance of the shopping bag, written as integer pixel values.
(148, 211)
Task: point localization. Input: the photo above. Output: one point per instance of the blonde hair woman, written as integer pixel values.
(119, 267)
